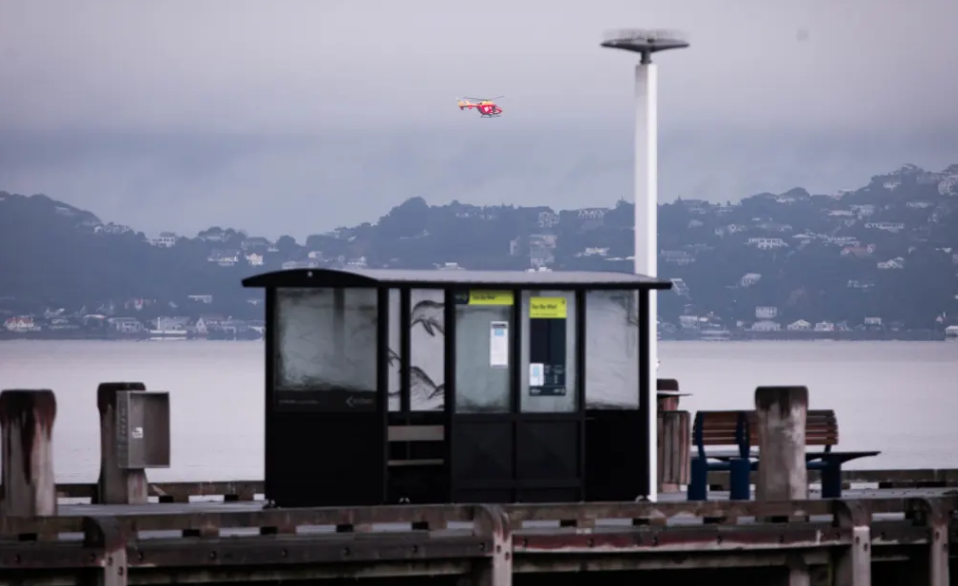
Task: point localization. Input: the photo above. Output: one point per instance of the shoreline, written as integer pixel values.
(848, 337)
(797, 336)
(45, 337)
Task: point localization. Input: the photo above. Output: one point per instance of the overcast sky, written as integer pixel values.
(296, 116)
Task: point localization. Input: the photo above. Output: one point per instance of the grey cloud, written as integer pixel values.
(302, 115)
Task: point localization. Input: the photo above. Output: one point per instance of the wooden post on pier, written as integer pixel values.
(116, 485)
(782, 473)
(781, 415)
(675, 449)
(29, 485)
(668, 398)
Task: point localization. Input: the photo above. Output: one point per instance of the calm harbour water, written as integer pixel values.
(896, 397)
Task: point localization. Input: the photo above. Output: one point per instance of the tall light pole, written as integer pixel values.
(645, 42)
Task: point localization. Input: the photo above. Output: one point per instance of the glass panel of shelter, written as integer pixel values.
(484, 321)
(427, 349)
(325, 343)
(612, 350)
(396, 358)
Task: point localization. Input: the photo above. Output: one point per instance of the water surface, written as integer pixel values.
(897, 397)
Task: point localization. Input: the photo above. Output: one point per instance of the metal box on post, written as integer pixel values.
(143, 429)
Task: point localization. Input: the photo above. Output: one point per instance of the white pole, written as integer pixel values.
(646, 232)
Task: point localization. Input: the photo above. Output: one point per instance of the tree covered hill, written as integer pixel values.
(888, 249)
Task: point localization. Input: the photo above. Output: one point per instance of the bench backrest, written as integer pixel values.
(721, 428)
(740, 428)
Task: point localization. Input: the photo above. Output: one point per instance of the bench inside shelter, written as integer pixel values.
(393, 386)
(740, 429)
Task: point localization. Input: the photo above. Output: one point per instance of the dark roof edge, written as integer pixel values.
(302, 278)
(296, 278)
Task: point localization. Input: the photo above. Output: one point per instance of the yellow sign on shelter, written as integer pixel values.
(490, 298)
(548, 308)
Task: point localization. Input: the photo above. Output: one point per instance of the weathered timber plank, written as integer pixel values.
(218, 575)
(208, 517)
(175, 491)
(588, 513)
(683, 539)
(154, 518)
(655, 560)
(261, 551)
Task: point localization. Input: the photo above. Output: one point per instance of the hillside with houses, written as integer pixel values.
(873, 262)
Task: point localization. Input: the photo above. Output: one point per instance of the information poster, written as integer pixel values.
(499, 344)
(547, 346)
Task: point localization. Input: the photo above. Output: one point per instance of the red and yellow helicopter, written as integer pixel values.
(487, 106)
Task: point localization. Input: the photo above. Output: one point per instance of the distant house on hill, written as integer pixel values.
(164, 240)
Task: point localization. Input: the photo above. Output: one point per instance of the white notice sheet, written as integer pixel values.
(499, 344)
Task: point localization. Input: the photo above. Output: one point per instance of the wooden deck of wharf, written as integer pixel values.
(124, 530)
(824, 541)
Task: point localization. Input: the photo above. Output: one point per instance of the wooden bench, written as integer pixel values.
(740, 429)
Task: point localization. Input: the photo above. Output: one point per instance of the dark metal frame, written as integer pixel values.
(382, 379)
(405, 351)
(581, 332)
(383, 281)
(269, 475)
(647, 409)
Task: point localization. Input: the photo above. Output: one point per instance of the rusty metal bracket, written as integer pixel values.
(493, 522)
(928, 511)
(107, 535)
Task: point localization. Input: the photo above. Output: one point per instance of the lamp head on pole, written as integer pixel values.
(645, 41)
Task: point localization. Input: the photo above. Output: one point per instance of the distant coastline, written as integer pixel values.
(793, 336)
(880, 259)
(120, 337)
(732, 336)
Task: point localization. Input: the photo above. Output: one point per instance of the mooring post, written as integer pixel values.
(781, 415)
(782, 476)
(116, 485)
(675, 450)
(29, 486)
(670, 400)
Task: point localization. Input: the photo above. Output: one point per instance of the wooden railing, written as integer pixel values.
(491, 540)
